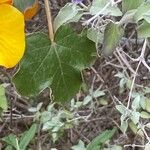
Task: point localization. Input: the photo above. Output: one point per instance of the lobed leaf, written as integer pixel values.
(54, 65)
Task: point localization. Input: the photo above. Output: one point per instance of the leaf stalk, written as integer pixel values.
(49, 20)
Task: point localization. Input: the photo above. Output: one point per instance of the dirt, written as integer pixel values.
(104, 117)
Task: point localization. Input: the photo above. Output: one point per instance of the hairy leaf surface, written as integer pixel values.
(54, 65)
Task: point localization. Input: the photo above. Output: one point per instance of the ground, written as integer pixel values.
(100, 75)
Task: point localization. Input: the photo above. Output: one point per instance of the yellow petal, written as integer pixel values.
(6, 1)
(12, 36)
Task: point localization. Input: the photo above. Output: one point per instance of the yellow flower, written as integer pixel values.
(12, 35)
(6, 1)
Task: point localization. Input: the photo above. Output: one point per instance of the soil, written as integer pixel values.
(100, 75)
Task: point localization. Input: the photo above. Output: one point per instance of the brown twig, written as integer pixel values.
(49, 20)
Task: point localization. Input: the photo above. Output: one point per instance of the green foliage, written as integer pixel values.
(54, 65)
(9, 147)
(98, 141)
(79, 146)
(56, 121)
(128, 17)
(59, 65)
(23, 142)
(68, 12)
(12, 140)
(127, 113)
(92, 95)
(145, 115)
(143, 12)
(94, 35)
(3, 100)
(23, 5)
(144, 30)
(131, 4)
(145, 104)
(112, 36)
(99, 5)
(114, 147)
(147, 146)
(27, 137)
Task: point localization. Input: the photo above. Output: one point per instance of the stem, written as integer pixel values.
(95, 16)
(49, 20)
(132, 85)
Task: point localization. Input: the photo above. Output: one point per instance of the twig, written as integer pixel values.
(134, 145)
(49, 20)
(95, 16)
(125, 61)
(132, 85)
(141, 59)
(101, 11)
(84, 6)
(99, 77)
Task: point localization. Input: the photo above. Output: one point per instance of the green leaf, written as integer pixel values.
(128, 17)
(133, 127)
(23, 5)
(68, 12)
(54, 65)
(11, 139)
(101, 139)
(143, 103)
(103, 101)
(27, 137)
(146, 90)
(124, 126)
(122, 109)
(122, 85)
(98, 93)
(94, 35)
(87, 99)
(131, 4)
(9, 147)
(116, 147)
(147, 146)
(113, 147)
(112, 36)
(99, 147)
(143, 10)
(144, 30)
(79, 146)
(147, 17)
(145, 115)
(3, 100)
(135, 116)
(147, 105)
(136, 102)
(98, 6)
(77, 17)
